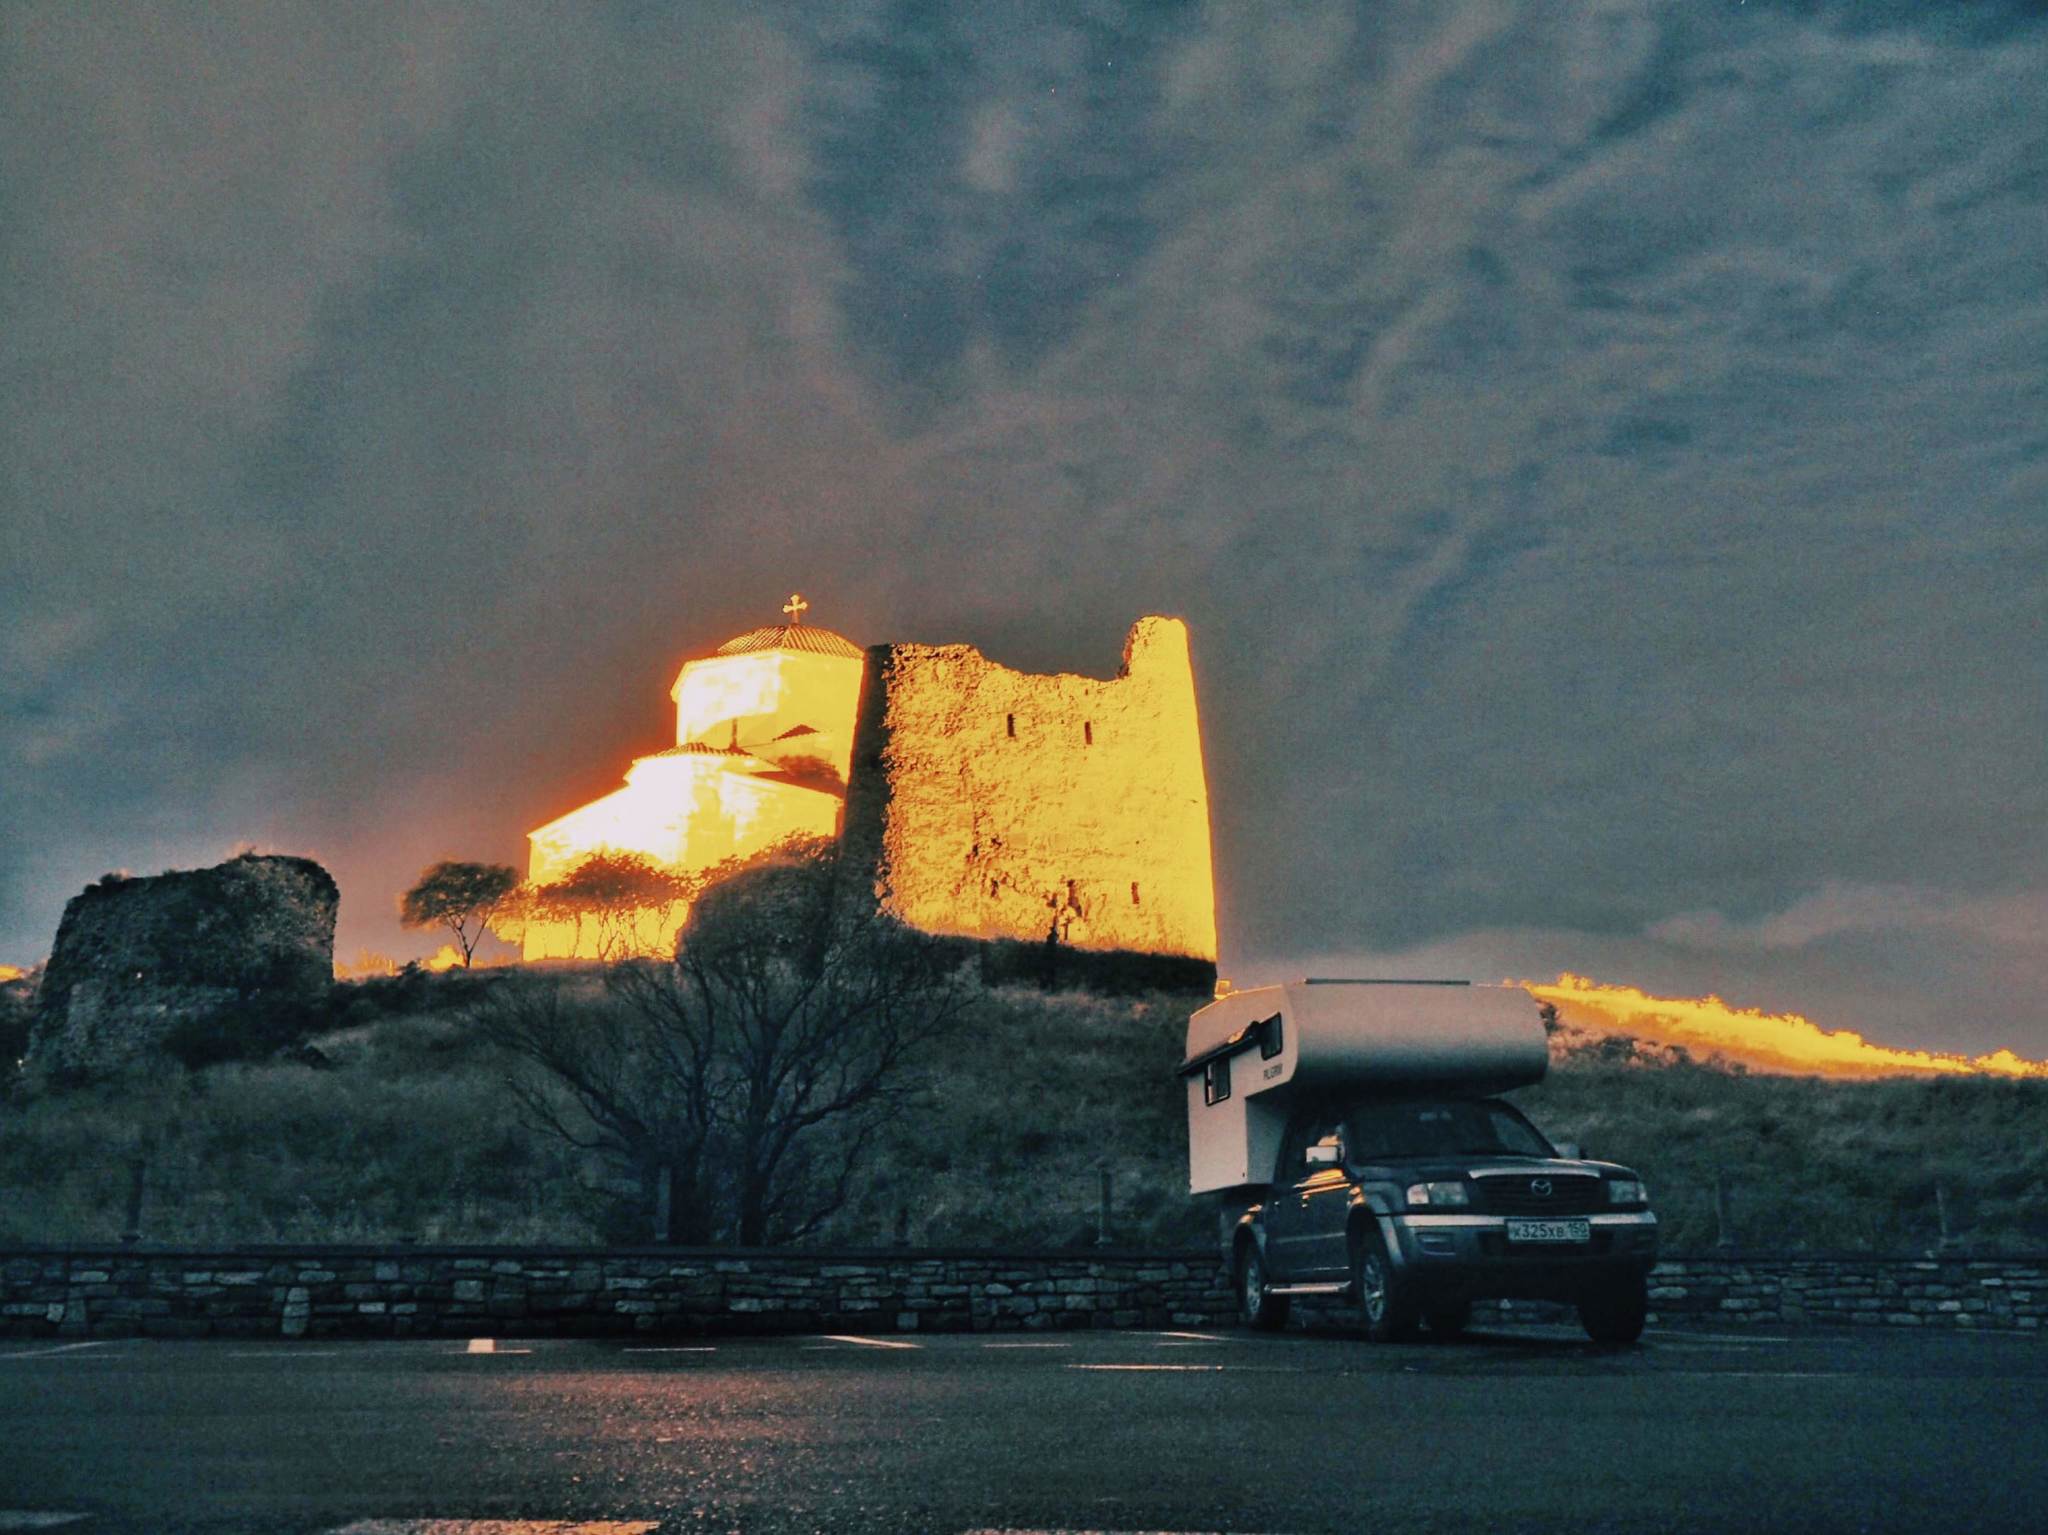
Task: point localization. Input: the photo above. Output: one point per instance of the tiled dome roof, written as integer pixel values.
(804, 637)
(695, 749)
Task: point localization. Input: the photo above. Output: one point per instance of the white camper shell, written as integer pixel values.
(1254, 1055)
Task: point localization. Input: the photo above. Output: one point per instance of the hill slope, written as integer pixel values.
(399, 1125)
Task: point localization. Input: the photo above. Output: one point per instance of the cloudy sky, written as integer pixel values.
(1601, 450)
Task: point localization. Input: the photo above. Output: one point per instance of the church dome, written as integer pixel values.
(804, 637)
(794, 635)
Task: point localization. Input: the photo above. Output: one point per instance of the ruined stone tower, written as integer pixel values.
(998, 805)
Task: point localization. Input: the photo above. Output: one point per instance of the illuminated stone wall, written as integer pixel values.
(997, 804)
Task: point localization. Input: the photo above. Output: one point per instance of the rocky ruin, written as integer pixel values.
(139, 959)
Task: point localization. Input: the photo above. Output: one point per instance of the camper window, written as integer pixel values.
(1216, 1080)
(1269, 1038)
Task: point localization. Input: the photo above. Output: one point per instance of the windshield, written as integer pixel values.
(1440, 1129)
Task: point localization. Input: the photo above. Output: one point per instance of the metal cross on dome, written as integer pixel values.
(795, 608)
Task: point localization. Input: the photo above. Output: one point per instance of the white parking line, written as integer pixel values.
(1174, 1368)
(490, 1346)
(293, 1354)
(865, 1342)
(1706, 1348)
(1194, 1337)
(1027, 1345)
(700, 1348)
(35, 1519)
(1765, 1374)
(45, 1353)
(1715, 1337)
(497, 1527)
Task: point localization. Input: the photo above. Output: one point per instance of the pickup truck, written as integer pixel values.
(1416, 1207)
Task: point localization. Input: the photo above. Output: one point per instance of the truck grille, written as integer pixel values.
(1560, 1194)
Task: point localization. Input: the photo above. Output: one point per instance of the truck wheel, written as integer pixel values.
(1383, 1295)
(1256, 1305)
(1615, 1313)
(1449, 1321)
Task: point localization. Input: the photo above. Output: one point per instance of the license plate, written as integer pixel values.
(1549, 1231)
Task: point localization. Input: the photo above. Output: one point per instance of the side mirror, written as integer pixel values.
(1571, 1151)
(1323, 1153)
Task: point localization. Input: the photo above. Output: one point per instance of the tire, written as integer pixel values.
(1449, 1321)
(1386, 1301)
(1616, 1312)
(1256, 1305)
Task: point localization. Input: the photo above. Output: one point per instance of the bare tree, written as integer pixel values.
(605, 1081)
(462, 897)
(761, 1061)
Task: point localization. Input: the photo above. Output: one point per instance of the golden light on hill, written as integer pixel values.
(11, 973)
(1775, 1042)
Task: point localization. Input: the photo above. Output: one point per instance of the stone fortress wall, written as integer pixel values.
(999, 805)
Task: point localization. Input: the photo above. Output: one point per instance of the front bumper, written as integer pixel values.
(1470, 1255)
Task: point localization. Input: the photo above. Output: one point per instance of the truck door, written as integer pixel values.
(1326, 1213)
(1305, 1217)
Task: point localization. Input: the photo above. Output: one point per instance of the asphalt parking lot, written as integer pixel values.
(1524, 1429)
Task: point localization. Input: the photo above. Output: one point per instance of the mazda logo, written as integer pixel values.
(1540, 1186)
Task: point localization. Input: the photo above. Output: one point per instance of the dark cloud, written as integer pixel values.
(1599, 449)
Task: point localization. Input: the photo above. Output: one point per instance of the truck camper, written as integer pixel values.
(1351, 1132)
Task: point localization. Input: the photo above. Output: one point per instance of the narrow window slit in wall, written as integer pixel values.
(1011, 722)
(1134, 892)
(1088, 732)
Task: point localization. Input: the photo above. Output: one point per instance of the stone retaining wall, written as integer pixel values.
(508, 1292)
(1899, 1292)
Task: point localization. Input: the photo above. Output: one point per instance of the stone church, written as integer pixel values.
(991, 804)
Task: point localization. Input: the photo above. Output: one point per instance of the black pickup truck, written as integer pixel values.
(1416, 1207)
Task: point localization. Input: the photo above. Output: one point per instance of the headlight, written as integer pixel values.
(1627, 1191)
(1439, 1194)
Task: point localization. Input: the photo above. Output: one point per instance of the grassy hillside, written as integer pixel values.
(1810, 1163)
(398, 1124)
